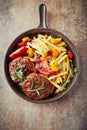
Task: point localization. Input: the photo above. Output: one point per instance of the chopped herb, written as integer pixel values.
(74, 70)
(71, 73)
(42, 86)
(18, 74)
(37, 89)
(37, 66)
(68, 81)
(21, 67)
(32, 85)
(70, 76)
(63, 87)
(71, 66)
(37, 92)
(20, 84)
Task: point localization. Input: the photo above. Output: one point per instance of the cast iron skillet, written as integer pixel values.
(42, 29)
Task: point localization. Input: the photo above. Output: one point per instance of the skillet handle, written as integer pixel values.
(42, 15)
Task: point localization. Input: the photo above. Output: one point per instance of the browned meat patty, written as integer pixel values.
(19, 68)
(37, 86)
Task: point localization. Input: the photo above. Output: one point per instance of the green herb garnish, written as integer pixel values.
(74, 70)
(37, 89)
(63, 87)
(21, 67)
(70, 76)
(32, 85)
(18, 74)
(20, 84)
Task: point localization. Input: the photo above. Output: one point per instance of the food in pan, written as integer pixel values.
(37, 86)
(19, 68)
(41, 66)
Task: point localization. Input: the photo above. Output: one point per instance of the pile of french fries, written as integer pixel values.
(42, 44)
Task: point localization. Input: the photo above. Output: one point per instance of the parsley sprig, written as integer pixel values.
(18, 73)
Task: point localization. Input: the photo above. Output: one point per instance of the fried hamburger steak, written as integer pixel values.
(19, 68)
(37, 86)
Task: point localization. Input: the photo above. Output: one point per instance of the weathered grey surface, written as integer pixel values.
(69, 113)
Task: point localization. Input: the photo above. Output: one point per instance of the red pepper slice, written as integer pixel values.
(70, 54)
(22, 44)
(19, 52)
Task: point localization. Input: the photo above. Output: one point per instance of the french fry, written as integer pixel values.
(61, 55)
(40, 36)
(61, 44)
(57, 86)
(59, 61)
(58, 80)
(64, 65)
(48, 39)
(60, 74)
(53, 46)
(42, 44)
(67, 67)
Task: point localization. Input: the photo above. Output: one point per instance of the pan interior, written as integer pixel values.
(31, 34)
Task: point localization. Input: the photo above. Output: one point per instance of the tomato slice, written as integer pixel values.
(47, 71)
(70, 54)
(19, 52)
(44, 71)
(44, 68)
